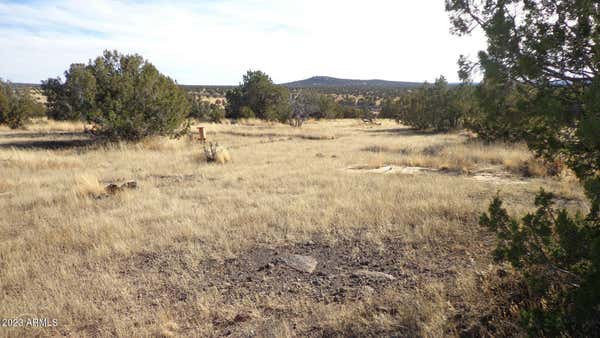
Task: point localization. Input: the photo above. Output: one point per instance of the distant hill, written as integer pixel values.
(326, 81)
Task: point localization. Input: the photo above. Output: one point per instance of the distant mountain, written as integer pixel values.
(326, 81)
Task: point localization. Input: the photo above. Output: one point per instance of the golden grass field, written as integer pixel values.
(193, 250)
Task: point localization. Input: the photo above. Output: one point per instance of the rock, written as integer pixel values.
(129, 185)
(112, 188)
(373, 274)
(306, 264)
(266, 267)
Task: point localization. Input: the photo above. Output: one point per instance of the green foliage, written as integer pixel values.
(435, 107)
(328, 108)
(74, 99)
(541, 83)
(257, 96)
(216, 113)
(6, 98)
(17, 106)
(559, 256)
(123, 95)
(496, 115)
(207, 111)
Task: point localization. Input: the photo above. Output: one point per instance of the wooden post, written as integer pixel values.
(201, 134)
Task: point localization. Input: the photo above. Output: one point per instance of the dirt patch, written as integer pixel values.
(341, 269)
(392, 169)
(348, 271)
(497, 178)
(500, 178)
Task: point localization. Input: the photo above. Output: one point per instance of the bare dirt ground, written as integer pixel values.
(389, 216)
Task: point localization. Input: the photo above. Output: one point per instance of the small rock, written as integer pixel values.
(306, 264)
(129, 185)
(112, 188)
(266, 267)
(373, 274)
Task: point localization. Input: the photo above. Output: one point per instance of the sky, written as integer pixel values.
(214, 42)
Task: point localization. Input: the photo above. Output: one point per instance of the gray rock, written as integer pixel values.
(373, 274)
(306, 264)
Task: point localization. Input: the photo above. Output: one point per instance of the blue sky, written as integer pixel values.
(216, 41)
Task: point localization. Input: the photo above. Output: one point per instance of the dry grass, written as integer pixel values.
(160, 259)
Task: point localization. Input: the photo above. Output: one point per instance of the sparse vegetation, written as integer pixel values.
(370, 220)
(198, 238)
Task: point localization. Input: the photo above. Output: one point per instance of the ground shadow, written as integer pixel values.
(41, 134)
(402, 131)
(46, 140)
(49, 144)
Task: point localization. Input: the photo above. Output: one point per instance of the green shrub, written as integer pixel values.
(125, 96)
(328, 108)
(75, 98)
(541, 83)
(559, 256)
(435, 107)
(205, 110)
(17, 106)
(257, 96)
(216, 113)
(246, 113)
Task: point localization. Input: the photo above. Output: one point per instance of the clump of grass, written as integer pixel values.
(87, 185)
(213, 152)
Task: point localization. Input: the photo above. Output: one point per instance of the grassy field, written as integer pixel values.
(391, 216)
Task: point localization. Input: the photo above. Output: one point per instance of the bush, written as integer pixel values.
(125, 96)
(207, 111)
(16, 107)
(328, 108)
(257, 96)
(435, 107)
(216, 113)
(74, 99)
(559, 256)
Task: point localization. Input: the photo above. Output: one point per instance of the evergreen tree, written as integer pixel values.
(542, 62)
(257, 96)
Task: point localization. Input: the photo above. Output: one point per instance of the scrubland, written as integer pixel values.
(193, 250)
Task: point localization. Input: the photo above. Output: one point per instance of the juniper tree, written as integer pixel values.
(257, 96)
(542, 60)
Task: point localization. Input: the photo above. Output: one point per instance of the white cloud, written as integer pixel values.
(214, 42)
